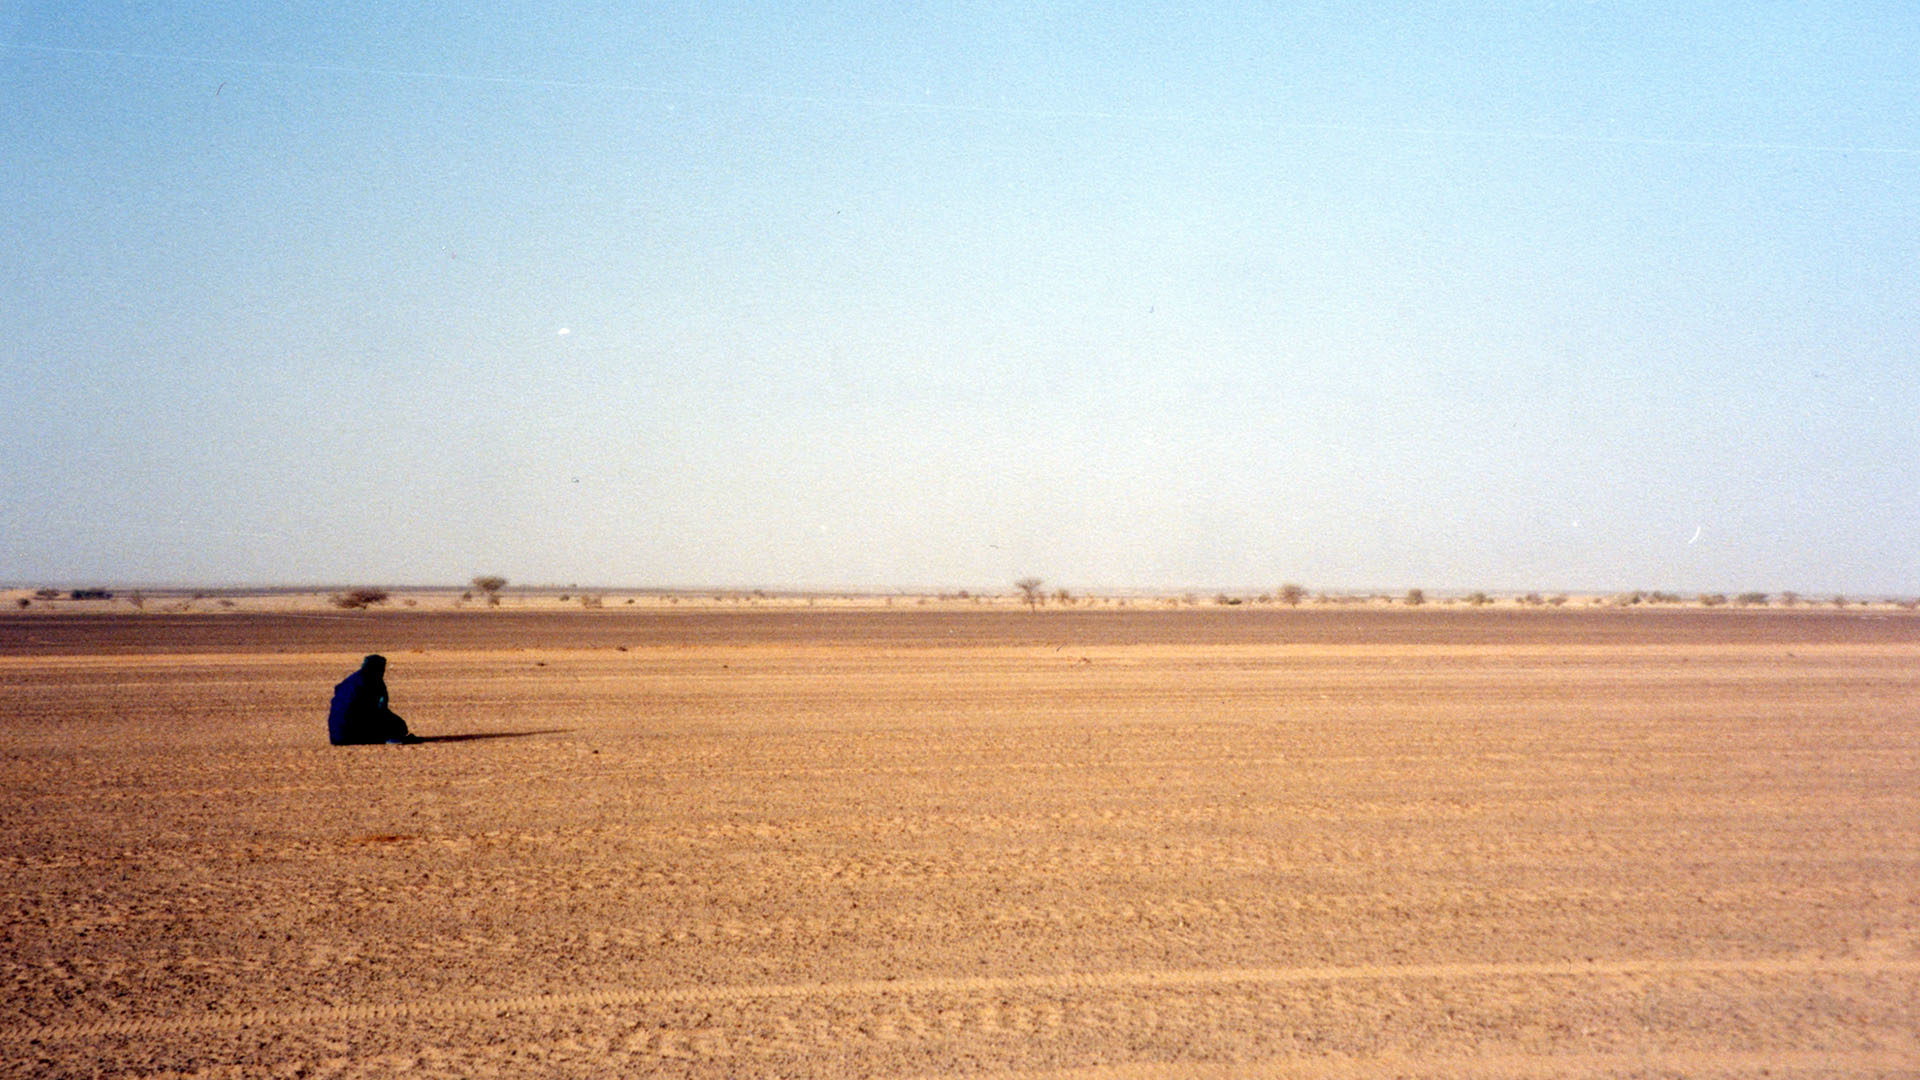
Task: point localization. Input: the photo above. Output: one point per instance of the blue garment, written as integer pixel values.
(359, 713)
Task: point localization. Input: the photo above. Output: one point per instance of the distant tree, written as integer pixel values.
(356, 599)
(1479, 599)
(1789, 598)
(1291, 594)
(1416, 597)
(491, 584)
(1031, 591)
(1062, 596)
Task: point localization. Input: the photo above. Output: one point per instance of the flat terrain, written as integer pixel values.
(1104, 845)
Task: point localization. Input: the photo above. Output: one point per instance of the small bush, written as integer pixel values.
(1479, 599)
(355, 599)
(1839, 601)
(1751, 599)
(1416, 597)
(589, 601)
(1789, 599)
(24, 602)
(1225, 601)
(1291, 594)
(1712, 599)
(1558, 599)
(46, 594)
(91, 594)
(564, 597)
(1532, 599)
(1664, 598)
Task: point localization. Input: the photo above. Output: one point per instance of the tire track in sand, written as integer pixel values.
(1149, 979)
(1691, 1064)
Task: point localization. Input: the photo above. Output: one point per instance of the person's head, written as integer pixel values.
(375, 666)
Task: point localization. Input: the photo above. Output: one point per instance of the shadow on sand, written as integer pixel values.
(477, 735)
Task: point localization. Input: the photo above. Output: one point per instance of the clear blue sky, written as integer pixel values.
(1580, 295)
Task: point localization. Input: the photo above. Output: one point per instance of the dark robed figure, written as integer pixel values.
(360, 714)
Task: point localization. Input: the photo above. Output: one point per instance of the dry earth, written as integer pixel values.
(1120, 844)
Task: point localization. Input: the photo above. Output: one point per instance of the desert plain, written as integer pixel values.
(897, 842)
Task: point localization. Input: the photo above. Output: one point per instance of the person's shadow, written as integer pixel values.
(478, 735)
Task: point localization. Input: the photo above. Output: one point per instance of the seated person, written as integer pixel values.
(360, 715)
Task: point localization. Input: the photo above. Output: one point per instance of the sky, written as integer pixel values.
(1532, 296)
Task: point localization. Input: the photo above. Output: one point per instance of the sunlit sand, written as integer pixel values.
(955, 839)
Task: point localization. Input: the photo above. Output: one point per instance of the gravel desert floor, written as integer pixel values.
(1116, 844)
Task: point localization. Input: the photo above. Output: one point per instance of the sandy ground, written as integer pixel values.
(1106, 845)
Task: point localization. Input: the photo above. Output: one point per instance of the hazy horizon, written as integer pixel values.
(1585, 297)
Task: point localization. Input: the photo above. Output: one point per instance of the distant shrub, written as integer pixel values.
(589, 601)
(1062, 596)
(1751, 599)
(1416, 597)
(1227, 601)
(1839, 601)
(1291, 594)
(1479, 599)
(136, 599)
(46, 594)
(1532, 599)
(90, 594)
(355, 599)
(564, 597)
(1557, 599)
(1789, 599)
(491, 584)
(1627, 599)
(1664, 598)
(1031, 591)
(24, 602)
(1712, 599)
